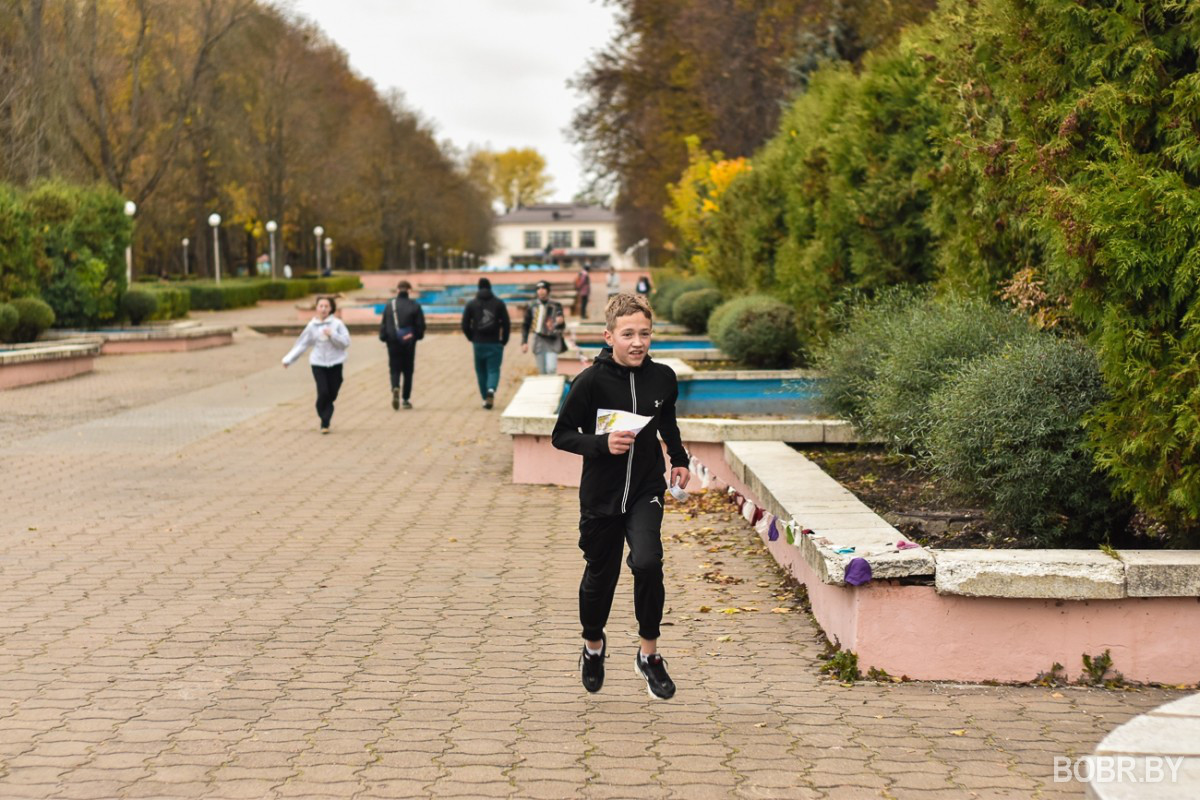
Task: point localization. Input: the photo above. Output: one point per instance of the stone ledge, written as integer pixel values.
(792, 487)
(1043, 574)
(47, 351)
(534, 408)
(1161, 573)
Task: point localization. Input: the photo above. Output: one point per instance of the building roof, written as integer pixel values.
(556, 212)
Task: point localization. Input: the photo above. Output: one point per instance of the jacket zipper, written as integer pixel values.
(629, 458)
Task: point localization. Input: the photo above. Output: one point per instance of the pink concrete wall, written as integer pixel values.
(113, 347)
(535, 460)
(31, 372)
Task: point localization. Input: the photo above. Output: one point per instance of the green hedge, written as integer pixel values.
(240, 292)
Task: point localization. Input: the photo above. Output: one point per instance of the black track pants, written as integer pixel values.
(602, 540)
(329, 382)
(400, 363)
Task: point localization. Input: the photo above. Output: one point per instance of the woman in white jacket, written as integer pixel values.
(328, 337)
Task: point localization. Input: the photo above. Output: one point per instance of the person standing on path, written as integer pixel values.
(329, 338)
(485, 323)
(613, 282)
(583, 290)
(546, 319)
(402, 326)
(622, 486)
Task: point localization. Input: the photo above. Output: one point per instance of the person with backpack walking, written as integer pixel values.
(613, 416)
(401, 327)
(329, 338)
(485, 323)
(546, 319)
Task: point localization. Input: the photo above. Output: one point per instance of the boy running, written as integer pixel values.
(621, 490)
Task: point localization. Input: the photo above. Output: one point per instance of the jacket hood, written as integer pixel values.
(485, 294)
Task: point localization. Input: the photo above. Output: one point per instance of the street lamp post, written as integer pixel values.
(130, 210)
(425, 256)
(214, 220)
(186, 242)
(318, 232)
(412, 256)
(271, 228)
(328, 260)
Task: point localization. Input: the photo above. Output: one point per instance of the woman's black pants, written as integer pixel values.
(602, 540)
(329, 381)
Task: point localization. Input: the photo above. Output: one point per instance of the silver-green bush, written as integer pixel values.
(929, 343)
(1008, 431)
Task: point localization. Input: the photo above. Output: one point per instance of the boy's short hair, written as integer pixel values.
(624, 304)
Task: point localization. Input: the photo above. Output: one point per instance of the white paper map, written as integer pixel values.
(609, 420)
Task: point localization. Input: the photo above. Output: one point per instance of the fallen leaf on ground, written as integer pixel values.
(731, 611)
(959, 732)
(725, 638)
(781, 610)
(705, 609)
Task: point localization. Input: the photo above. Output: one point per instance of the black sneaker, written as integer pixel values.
(395, 399)
(654, 670)
(491, 399)
(407, 404)
(591, 668)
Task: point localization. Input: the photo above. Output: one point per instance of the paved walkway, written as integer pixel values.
(202, 597)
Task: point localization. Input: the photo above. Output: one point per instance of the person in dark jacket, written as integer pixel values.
(622, 486)
(485, 323)
(545, 318)
(402, 326)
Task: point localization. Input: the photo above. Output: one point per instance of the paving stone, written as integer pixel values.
(189, 618)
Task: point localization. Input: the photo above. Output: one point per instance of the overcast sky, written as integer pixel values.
(486, 72)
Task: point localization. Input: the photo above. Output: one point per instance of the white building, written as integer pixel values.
(567, 234)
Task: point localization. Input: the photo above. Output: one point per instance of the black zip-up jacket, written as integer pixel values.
(408, 315)
(611, 483)
(485, 319)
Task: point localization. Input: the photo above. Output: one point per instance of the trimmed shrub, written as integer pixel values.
(849, 358)
(335, 283)
(206, 296)
(139, 305)
(34, 315)
(8, 322)
(663, 300)
(692, 309)
(756, 330)
(1008, 430)
(286, 290)
(173, 303)
(930, 342)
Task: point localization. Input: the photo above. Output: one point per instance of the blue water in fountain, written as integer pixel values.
(748, 397)
(453, 299)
